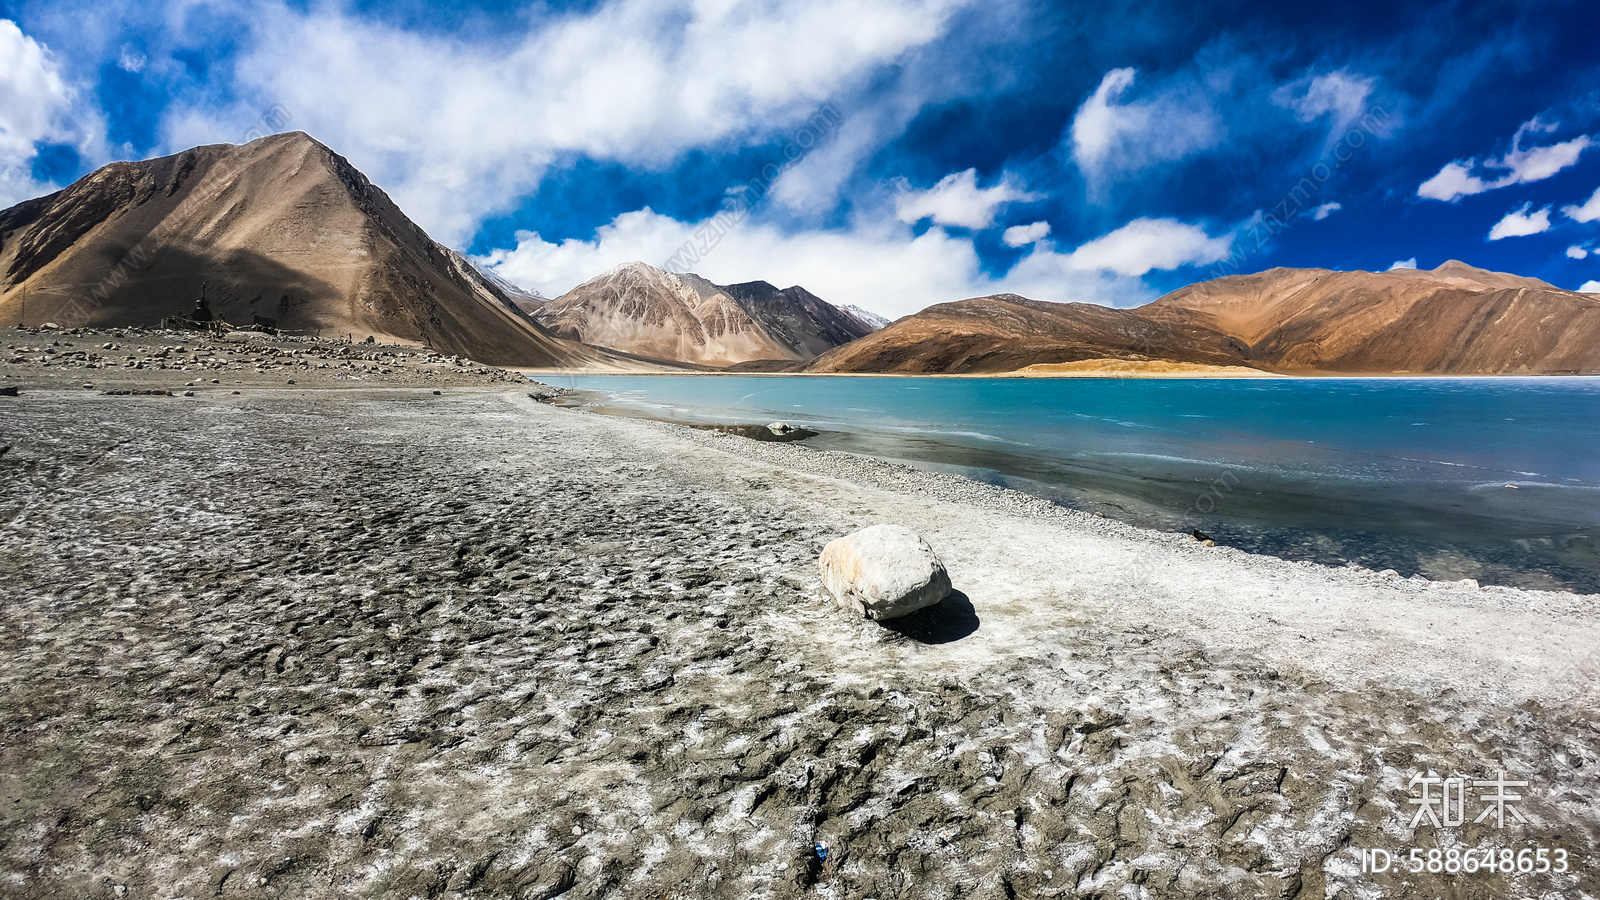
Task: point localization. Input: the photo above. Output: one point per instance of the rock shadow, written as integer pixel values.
(947, 621)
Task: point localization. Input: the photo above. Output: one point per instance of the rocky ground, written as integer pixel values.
(117, 358)
(378, 642)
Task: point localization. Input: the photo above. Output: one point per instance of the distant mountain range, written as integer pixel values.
(287, 229)
(649, 312)
(1453, 320)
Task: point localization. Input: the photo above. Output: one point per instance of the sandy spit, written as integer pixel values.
(389, 643)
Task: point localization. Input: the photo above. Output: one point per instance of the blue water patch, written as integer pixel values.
(1393, 472)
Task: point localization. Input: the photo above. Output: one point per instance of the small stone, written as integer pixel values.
(883, 572)
(188, 393)
(780, 428)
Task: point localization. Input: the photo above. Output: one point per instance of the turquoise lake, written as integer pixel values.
(1493, 479)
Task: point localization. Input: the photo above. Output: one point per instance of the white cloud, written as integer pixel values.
(1454, 181)
(1404, 264)
(1145, 244)
(1576, 252)
(1590, 287)
(957, 200)
(1111, 138)
(1521, 223)
(1588, 212)
(1325, 210)
(131, 60)
(1341, 94)
(460, 131)
(877, 259)
(1521, 165)
(36, 105)
(1023, 235)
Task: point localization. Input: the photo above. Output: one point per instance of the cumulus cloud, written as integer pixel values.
(1588, 212)
(1113, 136)
(957, 200)
(876, 259)
(1576, 252)
(1325, 210)
(1521, 223)
(1023, 235)
(461, 130)
(1590, 287)
(36, 106)
(1453, 182)
(1404, 264)
(1522, 165)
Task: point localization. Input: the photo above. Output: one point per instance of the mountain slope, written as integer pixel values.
(1455, 319)
(797, 318)
(281, 227)
(1006, 332)
(646, 311)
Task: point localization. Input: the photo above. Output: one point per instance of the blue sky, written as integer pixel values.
(1105, 152)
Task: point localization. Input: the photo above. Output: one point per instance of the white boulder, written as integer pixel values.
(883, 572)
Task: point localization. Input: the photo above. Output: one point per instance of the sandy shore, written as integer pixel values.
(377, 642)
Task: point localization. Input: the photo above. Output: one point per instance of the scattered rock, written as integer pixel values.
(780, 428)
(1201, 536)
(545, 393)
(883, 572)
(9, 390)
(188, 393)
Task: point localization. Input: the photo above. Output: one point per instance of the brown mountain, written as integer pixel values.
(1455, 319)
(281, 227)
(642, 310)
(1005, 332)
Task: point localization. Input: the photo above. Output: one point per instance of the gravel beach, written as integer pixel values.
(362, 639)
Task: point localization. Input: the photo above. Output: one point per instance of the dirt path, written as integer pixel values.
(386, 643)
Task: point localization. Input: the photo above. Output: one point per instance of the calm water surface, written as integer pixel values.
(1494, 479)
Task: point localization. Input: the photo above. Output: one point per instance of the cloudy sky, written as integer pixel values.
(888, 153)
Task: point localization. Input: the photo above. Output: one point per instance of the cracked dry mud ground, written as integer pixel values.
(391, 644)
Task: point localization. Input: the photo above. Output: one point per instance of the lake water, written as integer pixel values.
(1494, 479)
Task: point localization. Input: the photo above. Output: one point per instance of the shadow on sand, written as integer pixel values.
(951, 619)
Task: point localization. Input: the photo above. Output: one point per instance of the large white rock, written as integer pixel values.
(883, 572)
